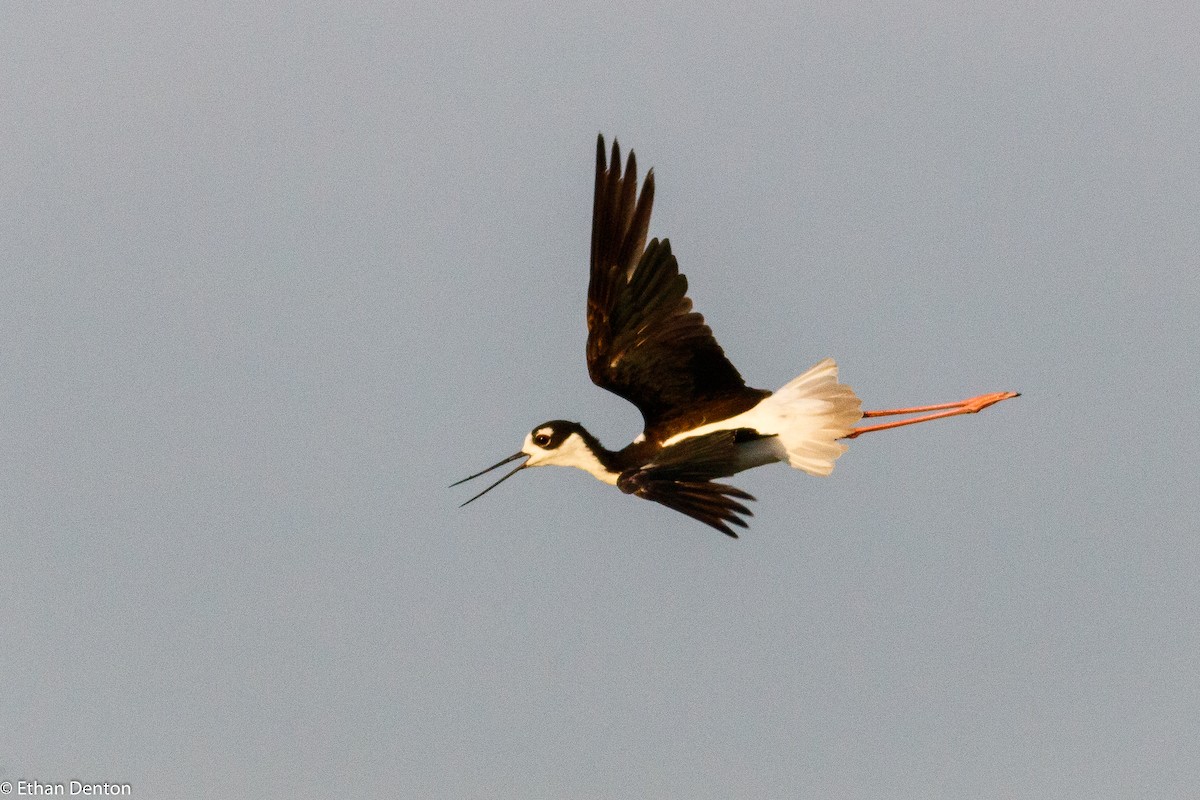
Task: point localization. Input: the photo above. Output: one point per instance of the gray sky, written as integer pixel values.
(273, 278)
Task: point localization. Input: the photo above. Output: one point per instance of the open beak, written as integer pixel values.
(513, 457)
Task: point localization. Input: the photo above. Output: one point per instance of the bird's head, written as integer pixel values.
(558, 443)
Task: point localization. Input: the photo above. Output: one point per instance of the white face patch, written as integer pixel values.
(573, 452)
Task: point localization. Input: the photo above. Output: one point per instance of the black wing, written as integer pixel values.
(680, 477)
(645, 343)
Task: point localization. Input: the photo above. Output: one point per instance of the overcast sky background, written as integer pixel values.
(273, 277)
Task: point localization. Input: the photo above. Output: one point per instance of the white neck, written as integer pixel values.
(573, 452)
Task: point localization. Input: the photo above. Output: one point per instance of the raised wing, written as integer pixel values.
(680, 477)
(645, 343)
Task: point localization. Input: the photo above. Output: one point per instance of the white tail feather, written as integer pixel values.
(809, 415)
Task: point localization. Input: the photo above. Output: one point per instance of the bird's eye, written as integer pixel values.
(541, 440)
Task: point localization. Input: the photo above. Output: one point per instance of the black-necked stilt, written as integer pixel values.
(646, 344)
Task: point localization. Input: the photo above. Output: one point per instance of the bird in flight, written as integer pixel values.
(702, 422)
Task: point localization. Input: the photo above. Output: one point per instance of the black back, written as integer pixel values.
(645, 343)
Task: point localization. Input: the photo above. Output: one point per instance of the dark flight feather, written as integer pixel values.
(680, 477)
(645, 343)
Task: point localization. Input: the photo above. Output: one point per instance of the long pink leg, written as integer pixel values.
(972, 406)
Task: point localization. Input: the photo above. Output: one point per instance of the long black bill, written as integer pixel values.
(513, 457)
